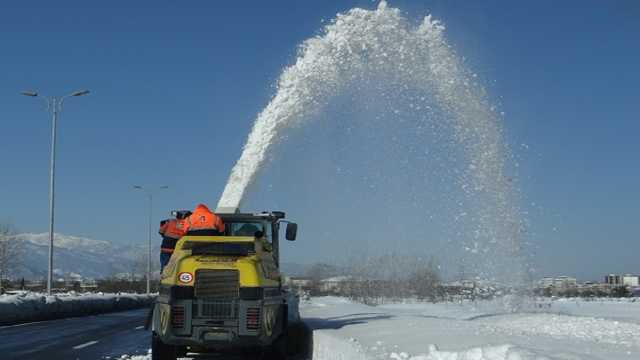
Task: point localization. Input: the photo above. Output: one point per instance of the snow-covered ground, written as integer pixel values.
(30, 306)
(543, 330)
(482, 331)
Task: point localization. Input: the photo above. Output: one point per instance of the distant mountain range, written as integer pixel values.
(76, 255)
(88, 258)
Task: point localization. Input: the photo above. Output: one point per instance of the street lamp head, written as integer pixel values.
(80, 93)
(137, 187)
(29, 93)
(164, 187)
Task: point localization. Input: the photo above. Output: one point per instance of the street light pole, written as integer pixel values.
(52, 191)
(150, 223)
(149, 243)
(54, 104)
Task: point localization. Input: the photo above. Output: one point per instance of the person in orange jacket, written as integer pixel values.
(204, 222)
(171, 231)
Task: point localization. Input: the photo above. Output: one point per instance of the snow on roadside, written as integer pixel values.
(501, 352)
(344, 330)
(561, 326)
(327, 347)
(623, 309)
(136, 357)
(27, 306)
(463, 331)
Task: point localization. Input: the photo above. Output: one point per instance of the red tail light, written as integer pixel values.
(253, 318)
(177, 317)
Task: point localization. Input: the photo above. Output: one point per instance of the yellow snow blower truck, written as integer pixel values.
(224, 292)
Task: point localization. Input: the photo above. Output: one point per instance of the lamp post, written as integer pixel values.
(149, 192)
(54, 105)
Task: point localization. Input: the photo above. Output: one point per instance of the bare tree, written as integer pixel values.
(426, 282)
(9, 252)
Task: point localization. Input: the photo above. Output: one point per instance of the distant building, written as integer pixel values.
(300, 283)
(622, 280)
(545, 282)
(34, 285)
(332, 284)
(560, 282)
(630, 280)
(613, 279)
(71, 279)
(565, 282)
(89, 285)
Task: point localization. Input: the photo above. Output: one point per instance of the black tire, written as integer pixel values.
(162, 351)
(299, 340)
(181, 351)
(279, 348)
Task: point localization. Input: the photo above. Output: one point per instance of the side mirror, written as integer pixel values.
(292, 231)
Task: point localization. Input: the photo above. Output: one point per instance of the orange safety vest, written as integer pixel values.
(171, 232)
(203, 219)
(174, 229)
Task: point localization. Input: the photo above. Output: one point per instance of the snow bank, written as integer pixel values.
(500, 352)
(27, 307)
(471, 331)
(590, 329)
(136, 357)
(327, 347)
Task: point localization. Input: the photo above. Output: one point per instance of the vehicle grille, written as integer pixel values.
(216, 309)
(217, 284)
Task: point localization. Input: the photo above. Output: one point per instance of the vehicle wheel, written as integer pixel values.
(279, 347)
(300, 340)
(162, 351)
(181, 351)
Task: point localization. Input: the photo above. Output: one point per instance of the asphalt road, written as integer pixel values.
(91, 337)
(107, 336)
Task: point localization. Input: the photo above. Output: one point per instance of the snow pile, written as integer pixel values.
(562, 326)
(136, 357)
(501, 352)
(472, 331)
(27, 307)
(327, 347)
(622, 309)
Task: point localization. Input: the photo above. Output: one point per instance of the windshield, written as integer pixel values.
(248, 229)
(216, 248)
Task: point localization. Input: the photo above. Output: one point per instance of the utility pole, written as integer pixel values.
(54, 104)
(148, 191)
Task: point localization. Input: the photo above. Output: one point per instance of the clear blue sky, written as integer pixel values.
(176, 86)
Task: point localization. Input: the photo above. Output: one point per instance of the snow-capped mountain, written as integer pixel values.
(80, 257)
(86, 257)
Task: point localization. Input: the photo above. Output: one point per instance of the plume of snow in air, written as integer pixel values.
(367, 44)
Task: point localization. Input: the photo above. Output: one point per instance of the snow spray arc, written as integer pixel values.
(364, 43)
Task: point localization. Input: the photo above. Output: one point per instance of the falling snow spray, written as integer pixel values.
(381, 48)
